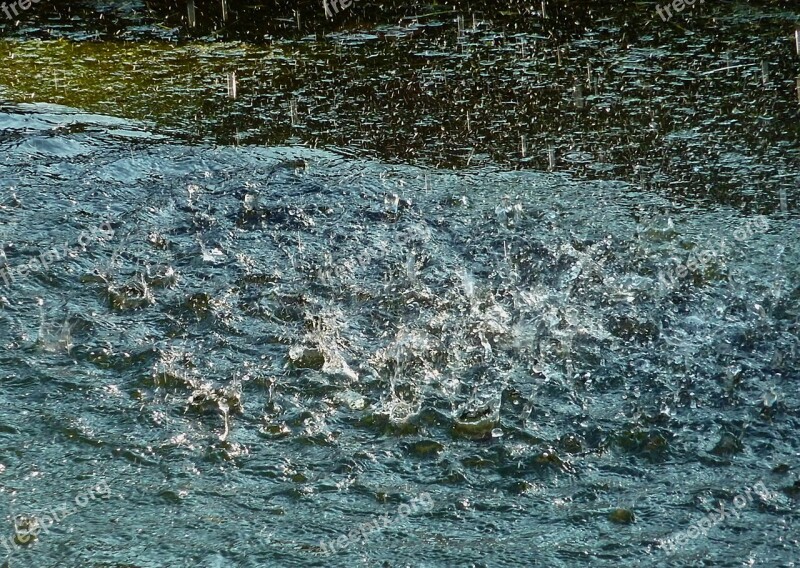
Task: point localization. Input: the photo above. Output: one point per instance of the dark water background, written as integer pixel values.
(446, 260)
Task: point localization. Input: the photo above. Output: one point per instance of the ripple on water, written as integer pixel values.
(308, 348)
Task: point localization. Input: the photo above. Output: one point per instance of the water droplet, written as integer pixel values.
(232, 85)
(191, 13)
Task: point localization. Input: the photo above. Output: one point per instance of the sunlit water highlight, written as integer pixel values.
(278, 345)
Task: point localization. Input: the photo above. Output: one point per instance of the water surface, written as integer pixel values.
(265, 321)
